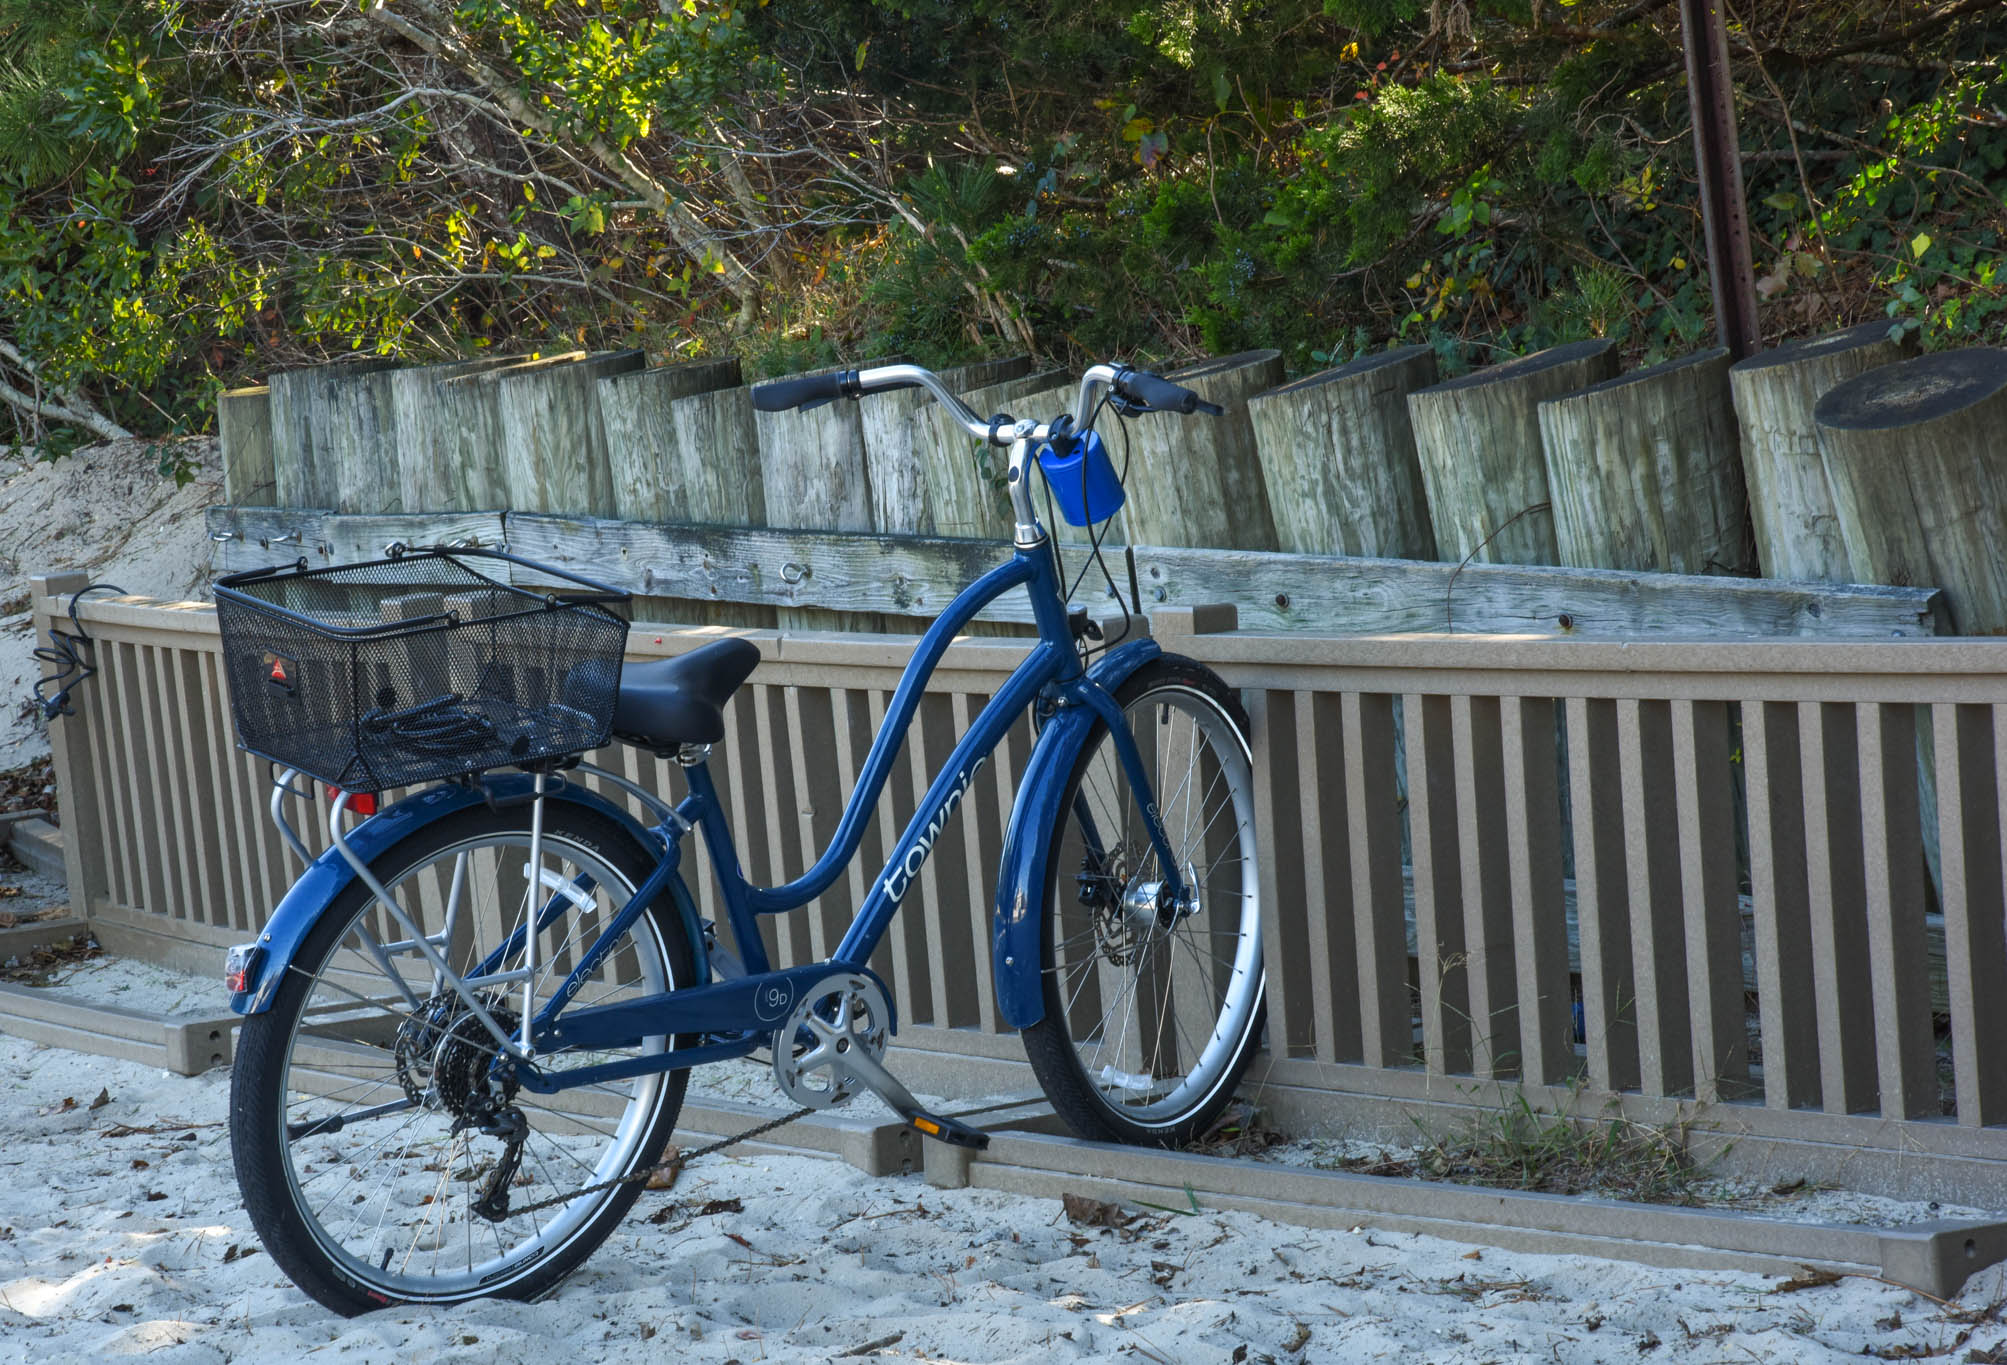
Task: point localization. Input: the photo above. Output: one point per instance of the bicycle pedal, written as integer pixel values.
(951, 1131)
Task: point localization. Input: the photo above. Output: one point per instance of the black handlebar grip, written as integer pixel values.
(1154, 391)
(779, 395)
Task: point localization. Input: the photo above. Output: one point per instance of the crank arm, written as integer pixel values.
(882, 1083)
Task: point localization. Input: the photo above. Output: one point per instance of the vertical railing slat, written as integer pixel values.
(984, 824)
(1828, 749)
(1485, 864)
(1658, 930)
(1328, 856)
(1379, 920)
(1533, 840)
(1704, 791)
(1780, 905)
(1892, 848)
(1439, 924)
(908, 933)
(1295, 924)
(202, 786)
(817, 784)
(1602, 894)
(1971, 801)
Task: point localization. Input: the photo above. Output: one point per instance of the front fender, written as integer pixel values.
(329, 875)
(1021, 877)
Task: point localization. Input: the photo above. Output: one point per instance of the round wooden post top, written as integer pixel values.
(1351, 370)
(1805, 348)
(1524, 366)
(1915, 391)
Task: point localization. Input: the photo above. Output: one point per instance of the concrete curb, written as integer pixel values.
(184, 1045)
(38, 844)
(1935, 1258)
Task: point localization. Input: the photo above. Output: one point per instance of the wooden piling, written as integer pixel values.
(1645, 471)
(1197, 480)
(553, 438)
(965, 476)
(1477, 438)
(330, 434)
(1918, 473)
(898, 432)
(1338, 452)
(1790, 504)
(443, 446)
(637, 407)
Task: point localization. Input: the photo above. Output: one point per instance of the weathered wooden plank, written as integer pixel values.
(256, 537)
(553, 439)
(918, 576)
(1478, 440)
(1338, 451)
(964, 476)
(244, 433)
(638, 409)
(432, 433)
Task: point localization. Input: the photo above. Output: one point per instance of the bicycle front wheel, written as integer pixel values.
(1153, 1003)
(379, 1159)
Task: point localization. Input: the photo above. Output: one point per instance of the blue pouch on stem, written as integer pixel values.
(1082, 502)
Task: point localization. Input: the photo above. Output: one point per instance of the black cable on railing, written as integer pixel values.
(67, 651)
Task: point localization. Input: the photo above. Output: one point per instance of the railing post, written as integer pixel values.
(69, 741)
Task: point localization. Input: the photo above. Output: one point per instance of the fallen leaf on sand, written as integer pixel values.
(1809, 1278)
(1094, 1213)
(103, 1099)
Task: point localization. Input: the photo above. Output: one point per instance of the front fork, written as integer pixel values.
(1104, 705)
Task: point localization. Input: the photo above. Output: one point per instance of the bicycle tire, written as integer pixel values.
(327, 1032)
(1097, 945)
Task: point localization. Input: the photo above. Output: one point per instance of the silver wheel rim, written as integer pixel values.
(400, 1182)
(1158, 1009)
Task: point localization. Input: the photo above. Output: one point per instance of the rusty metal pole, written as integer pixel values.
(1718, 154)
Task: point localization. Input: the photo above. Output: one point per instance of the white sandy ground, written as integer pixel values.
(107, 510)
(135, 1244)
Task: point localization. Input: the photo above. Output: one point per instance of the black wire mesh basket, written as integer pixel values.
(419, 666)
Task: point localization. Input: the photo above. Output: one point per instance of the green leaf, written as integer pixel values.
(1919, 244)
(862, 49)
(1783, 203)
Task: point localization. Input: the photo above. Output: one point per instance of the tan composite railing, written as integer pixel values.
(1570, 812)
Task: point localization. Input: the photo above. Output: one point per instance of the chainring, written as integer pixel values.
(839, 1016)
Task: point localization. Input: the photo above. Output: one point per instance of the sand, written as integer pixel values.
(119, 1242)
(107, 510)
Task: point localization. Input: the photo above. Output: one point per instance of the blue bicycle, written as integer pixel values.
(470, 1022)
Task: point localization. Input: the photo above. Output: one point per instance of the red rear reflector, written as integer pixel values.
(364, 804)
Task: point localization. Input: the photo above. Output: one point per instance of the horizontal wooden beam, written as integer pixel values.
(919, 575)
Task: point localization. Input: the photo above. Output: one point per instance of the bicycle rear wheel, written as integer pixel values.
(366, 1128)
(1153, 1009)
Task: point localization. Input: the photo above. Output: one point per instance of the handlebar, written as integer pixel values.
(1139, 390)
(1159, 394)
(813, 390)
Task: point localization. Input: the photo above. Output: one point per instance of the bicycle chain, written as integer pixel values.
(677, 1162)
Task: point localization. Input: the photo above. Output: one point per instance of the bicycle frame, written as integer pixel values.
(737, 1015)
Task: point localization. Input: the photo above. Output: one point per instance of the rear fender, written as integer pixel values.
(1021, 877)
(329, 875)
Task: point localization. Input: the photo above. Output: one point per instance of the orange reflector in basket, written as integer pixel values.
(359, 805)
